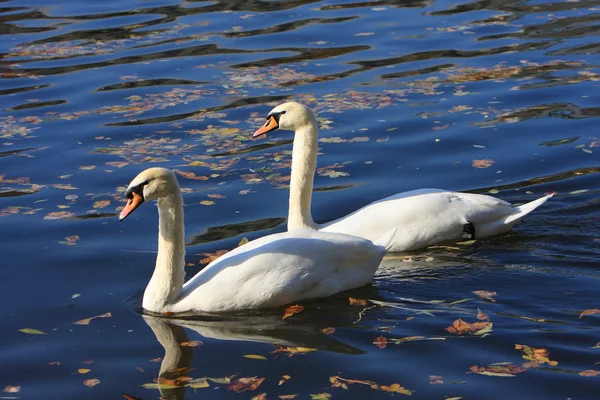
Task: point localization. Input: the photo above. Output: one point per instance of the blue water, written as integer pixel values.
(91, 93)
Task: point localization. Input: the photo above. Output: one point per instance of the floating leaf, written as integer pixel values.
(117, 164)
(485, 295)
(396, 388)
(88, 320)
(130, 397)
(284, 379)
(101, 204)
(482, 316)
(91, 382)
(31, 331)
(485, 163)
(76, 295)
(87, 167)
(435, 380)
(291, 310)
(287, 396)
(83, 370)
(159, 386)
(477, 328)
(221, 381)
(589, 373)
(578, 191)
(293, 350)
(262, 396)
(536, 356)
(255, 356)
(191, 343)
(245, 384)
(199, 383)
(320, 396)
(357, 302)
(207, 202)
(243, 241)
(12, 389)
(328, 331)
(191, 175)
(64, 186)
(589, 312)
(507, 370)
(59, 215)
(380, 342)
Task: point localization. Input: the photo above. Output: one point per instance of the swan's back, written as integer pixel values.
(280, 269)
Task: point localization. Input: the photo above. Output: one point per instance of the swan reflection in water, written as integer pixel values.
(258, 328)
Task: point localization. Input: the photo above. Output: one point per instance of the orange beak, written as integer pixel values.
(269, 126)
(131, 205)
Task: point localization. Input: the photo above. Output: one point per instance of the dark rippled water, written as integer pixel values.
(481, 96)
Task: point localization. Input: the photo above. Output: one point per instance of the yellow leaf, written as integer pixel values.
(255, 356)
(83, 370)
(91, 382)
(207, 202)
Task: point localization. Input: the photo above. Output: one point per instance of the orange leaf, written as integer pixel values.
(287, 396)
(191, 175)
(357, 302)
(589, 373)
(88, 320)
(380, 342)
(12, 389)
(461, 327)
(191, 343)
(245, 384)
(328, 331)
(536, 356)
(589, 312)
(482, 163)
(291, 310)
(129, 397)
(396, 388)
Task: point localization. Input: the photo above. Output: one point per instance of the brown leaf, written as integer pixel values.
(435, 380)
(380, 342)
(101, 204)
(262, 396)
(328, 331)
(117, 164)
(210, 257)
(87, 167)
(12, 389)
(284, 379)
(482, 316)
(88, 320)
(485, 295)
(59, 215)
(507, 370)
(287, 396)
(482, 163)
(129, 397)
(291, 310)
(536, 356)
(590, 312)
(357, 302)
(64, 186)
(461, 327)
(91, 382)
(245, 384)
(191, 175)
(589, 373)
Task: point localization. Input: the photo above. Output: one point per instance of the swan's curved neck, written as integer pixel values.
(304, 161)
(167, 280)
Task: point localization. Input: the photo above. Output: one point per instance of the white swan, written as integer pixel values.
(421, 217)
(271, 271)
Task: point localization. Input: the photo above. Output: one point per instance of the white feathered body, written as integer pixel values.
(428, 216)
(280, 269)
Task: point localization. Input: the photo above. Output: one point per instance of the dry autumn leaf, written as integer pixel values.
(291, 310)
(88, 320)
(59, 215)
(31, 331)
(461, 327)
(262, 396)
(357, 302)
(191, 175)
(328, 331)
(255, 356)
(482, 163)
(396, 388)
(507, 370)
(590, 312)
(91, 382)
(245, 384)
(536, 356)
(210, 257)
(207, 202)
(284, 379)
(380, 342)
(83, 370)
(293, 350)
(589, 373)
(287, 396)
(130, 397)
(191, 343)
(482, 316)
(435, 380)
(101, 204)
(484, 294)
(12, 389)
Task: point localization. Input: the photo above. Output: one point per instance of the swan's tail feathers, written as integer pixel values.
(387, 240)
(525, 209)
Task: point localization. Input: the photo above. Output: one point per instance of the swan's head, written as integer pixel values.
(150, 184)
(287, 116)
